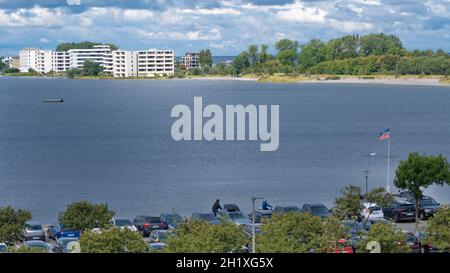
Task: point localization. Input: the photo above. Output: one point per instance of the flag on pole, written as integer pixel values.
(384, 135)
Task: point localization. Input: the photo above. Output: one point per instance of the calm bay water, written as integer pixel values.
(110, 142)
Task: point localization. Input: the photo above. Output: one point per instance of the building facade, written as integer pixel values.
(118, 63)
(191, 60)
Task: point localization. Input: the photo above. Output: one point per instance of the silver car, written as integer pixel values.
(45, 247)
(33, 231)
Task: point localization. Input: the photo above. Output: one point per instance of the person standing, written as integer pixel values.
(216, 206)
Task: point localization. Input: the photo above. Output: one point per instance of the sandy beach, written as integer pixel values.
(345, 80)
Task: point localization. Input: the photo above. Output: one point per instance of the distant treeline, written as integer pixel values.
(82, 45)
(352, 54)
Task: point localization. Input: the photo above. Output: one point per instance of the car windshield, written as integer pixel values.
(123, 222)
(428, 202)
(173, 218)
(3, 248)
(319, 210)
(374, 208)
(34, 227)
(37, 245)
(406, 205)
(236, 215)
(153, 220)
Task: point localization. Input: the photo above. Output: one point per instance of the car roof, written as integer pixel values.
(32, 223)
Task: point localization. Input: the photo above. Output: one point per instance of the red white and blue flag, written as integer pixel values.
(385, 135)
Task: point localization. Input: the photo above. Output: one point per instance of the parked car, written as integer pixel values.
(33, 231)
(413, 242)
(286, 209)
(428, 207)
(344, 246)
(355, 231)
(205, 216)
(231, 207)
(58, 230)
(235, 216)
(316, 209)
(372, 212)
(45, 247)
(172, 219)
(146, 224)
(123, 223)
(63, 244)
(3, 248)
(158, 238)
(260, 215)
(400, 211)
(406, 195)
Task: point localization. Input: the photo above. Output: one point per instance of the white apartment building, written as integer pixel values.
(119, 63)
(60, 61)
(191, 60)
(37, 59)
(96, 54)
(154, 62)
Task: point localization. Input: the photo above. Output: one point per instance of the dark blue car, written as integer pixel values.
(58, 230)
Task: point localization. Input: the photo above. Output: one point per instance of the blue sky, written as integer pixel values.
(226, 27)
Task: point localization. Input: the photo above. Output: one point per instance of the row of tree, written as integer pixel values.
(89, 68)
(352, 54)
(81, 45)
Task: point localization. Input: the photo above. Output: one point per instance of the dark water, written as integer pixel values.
(110, 142)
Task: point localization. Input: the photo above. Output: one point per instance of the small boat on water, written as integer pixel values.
(54, 101)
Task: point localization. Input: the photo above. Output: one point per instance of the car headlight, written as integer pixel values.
(427, 210)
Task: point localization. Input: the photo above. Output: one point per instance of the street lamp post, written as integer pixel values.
(253, 223)
(367, 171)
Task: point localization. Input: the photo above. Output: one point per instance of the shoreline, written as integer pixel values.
(283, 79)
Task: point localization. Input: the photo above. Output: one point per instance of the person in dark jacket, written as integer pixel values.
(266, 205)
(216, 207)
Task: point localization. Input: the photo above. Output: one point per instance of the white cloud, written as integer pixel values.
(44, 40)
(350, 26)
(298, 12)
(73, 2)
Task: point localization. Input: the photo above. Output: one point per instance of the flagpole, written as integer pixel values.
(388, 186)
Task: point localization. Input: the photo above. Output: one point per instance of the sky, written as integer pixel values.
(226, 27)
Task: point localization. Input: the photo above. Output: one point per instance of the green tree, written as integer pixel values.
(240, 63)
(114, 240)
(205, 57)
(12, 223)
(73, 72)
(437, 230)
(292, 232)
(85, 216)
(312, 53)
(390, 239)
(379, 44)
(419, 172)
(12, 70)
(253, 54)
(349, 205)
(203, 237)
(82, 45)
(287, 52)
(333, 231)
(91, 68)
